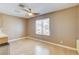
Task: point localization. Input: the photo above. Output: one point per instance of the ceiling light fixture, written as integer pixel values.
(28, 10)
(30, 14)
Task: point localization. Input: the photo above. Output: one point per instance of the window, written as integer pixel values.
(39, 27)
(42, 27)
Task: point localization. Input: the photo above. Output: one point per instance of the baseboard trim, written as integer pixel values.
(64, 46)
(12, 40)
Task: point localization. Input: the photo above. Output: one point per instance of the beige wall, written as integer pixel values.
(77, 42)
(0, 20)
(63, 27)
(14, 27)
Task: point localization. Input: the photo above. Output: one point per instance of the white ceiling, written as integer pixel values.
(42, 8)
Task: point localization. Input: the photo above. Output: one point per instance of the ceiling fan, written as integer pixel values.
(28, 10)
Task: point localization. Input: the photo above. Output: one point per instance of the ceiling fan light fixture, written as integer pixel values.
(30, 14)
(28, 10)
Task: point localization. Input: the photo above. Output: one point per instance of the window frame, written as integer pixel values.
(42, 26)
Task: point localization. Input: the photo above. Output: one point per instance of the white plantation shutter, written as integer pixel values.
(46, 26)
(39, 27)
(42, 27)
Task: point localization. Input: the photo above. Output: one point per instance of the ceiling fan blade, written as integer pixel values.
(36, 13)
(21, 5)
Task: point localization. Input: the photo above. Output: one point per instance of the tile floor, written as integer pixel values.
(4, 50)
(32, 47)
